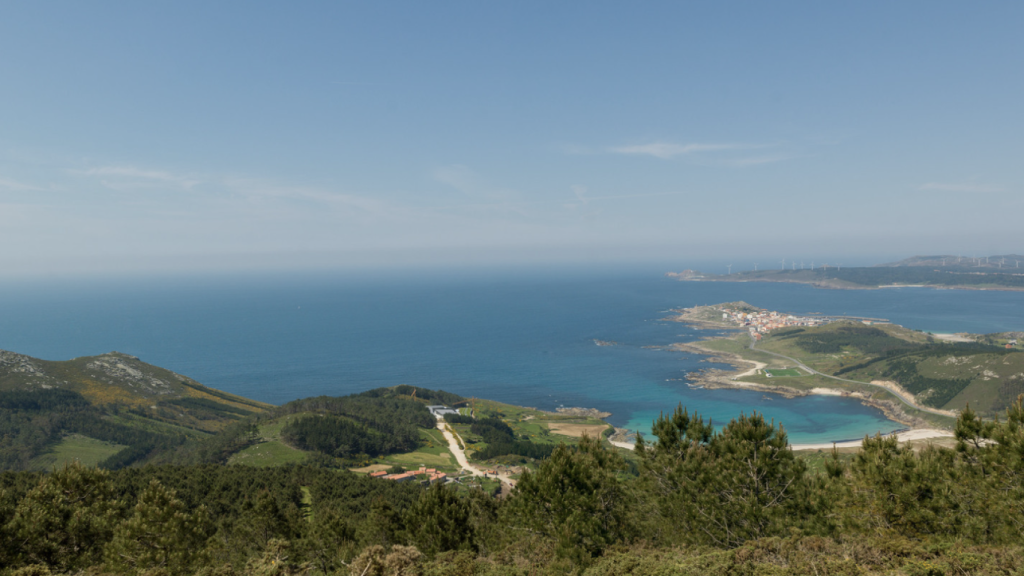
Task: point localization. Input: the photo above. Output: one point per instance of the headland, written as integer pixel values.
(914, 378)
(1001, 272)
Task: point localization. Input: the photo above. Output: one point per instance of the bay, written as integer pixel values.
(522, 337)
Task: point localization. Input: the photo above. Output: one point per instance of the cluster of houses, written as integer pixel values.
(431, 475)
(764, 321)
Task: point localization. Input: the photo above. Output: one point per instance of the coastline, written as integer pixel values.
(713, 379)
(917, 428)
(905, 436)
(841, 285)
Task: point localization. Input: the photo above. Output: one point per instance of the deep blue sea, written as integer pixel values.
(522, 338)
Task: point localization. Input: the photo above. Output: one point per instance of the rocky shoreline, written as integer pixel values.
(580, 412)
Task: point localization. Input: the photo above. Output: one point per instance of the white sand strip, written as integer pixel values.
(916, 434)
(953, 338)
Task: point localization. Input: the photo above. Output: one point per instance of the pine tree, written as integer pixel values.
(894, 490)
(65, 521)
(724, 489)
(440, 521)
(575, 498)
(330, 541)
(385, 524)
(160, 533)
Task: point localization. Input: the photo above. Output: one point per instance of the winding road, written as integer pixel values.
(886, 388)
(455, 445)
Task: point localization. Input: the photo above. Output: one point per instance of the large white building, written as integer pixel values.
(439, 411)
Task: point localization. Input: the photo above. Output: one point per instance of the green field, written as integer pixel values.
(417, 459)
(269, 453)
(783, 372)
(76, 447)
(272, 451)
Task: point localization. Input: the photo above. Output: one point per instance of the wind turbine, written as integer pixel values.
(801, 264)
(783, 263)
(755, 267)
(729, 267)
(812, 264)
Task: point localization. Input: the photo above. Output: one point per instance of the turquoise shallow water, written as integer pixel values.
(523, 339)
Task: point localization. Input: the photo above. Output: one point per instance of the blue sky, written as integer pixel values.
(183, 136)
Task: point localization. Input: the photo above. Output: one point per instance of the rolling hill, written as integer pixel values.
(111, 410)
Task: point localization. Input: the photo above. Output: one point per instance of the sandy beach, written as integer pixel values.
(907, 436)
(916, 434)
(953, 337)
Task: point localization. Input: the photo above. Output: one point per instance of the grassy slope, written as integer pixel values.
(996, 378)
(116, 379)
(272, 450)
(125, 391)
(75, 447)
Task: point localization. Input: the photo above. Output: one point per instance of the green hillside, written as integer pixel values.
(944, 375)
(111, 410)
(116, 379)
(380, 425)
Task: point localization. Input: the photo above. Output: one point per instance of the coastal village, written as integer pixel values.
(764, 321)
(760, 321)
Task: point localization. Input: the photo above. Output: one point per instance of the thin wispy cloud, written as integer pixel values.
(6, 184)
(756, 160)
(253, 189)
(465, 180)
(127, 177)
(669, 150)
(967, 188)
(580, 192)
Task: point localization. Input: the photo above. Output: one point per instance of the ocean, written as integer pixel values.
(525, 338)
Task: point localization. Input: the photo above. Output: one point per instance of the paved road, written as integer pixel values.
(455, 445)
(813, 371)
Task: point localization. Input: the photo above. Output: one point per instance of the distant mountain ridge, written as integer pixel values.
(1001, 272)
(1003, 262)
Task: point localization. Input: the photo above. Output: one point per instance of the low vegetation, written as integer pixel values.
(700, 501)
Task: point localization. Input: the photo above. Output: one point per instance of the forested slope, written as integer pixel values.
(735, 501)
(336, 431)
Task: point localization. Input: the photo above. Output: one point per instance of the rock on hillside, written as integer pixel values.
(121, 379)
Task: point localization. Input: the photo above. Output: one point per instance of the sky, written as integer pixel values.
(141, 137)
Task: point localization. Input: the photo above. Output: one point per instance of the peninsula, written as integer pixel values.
(915, 378)
(1002, 272)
